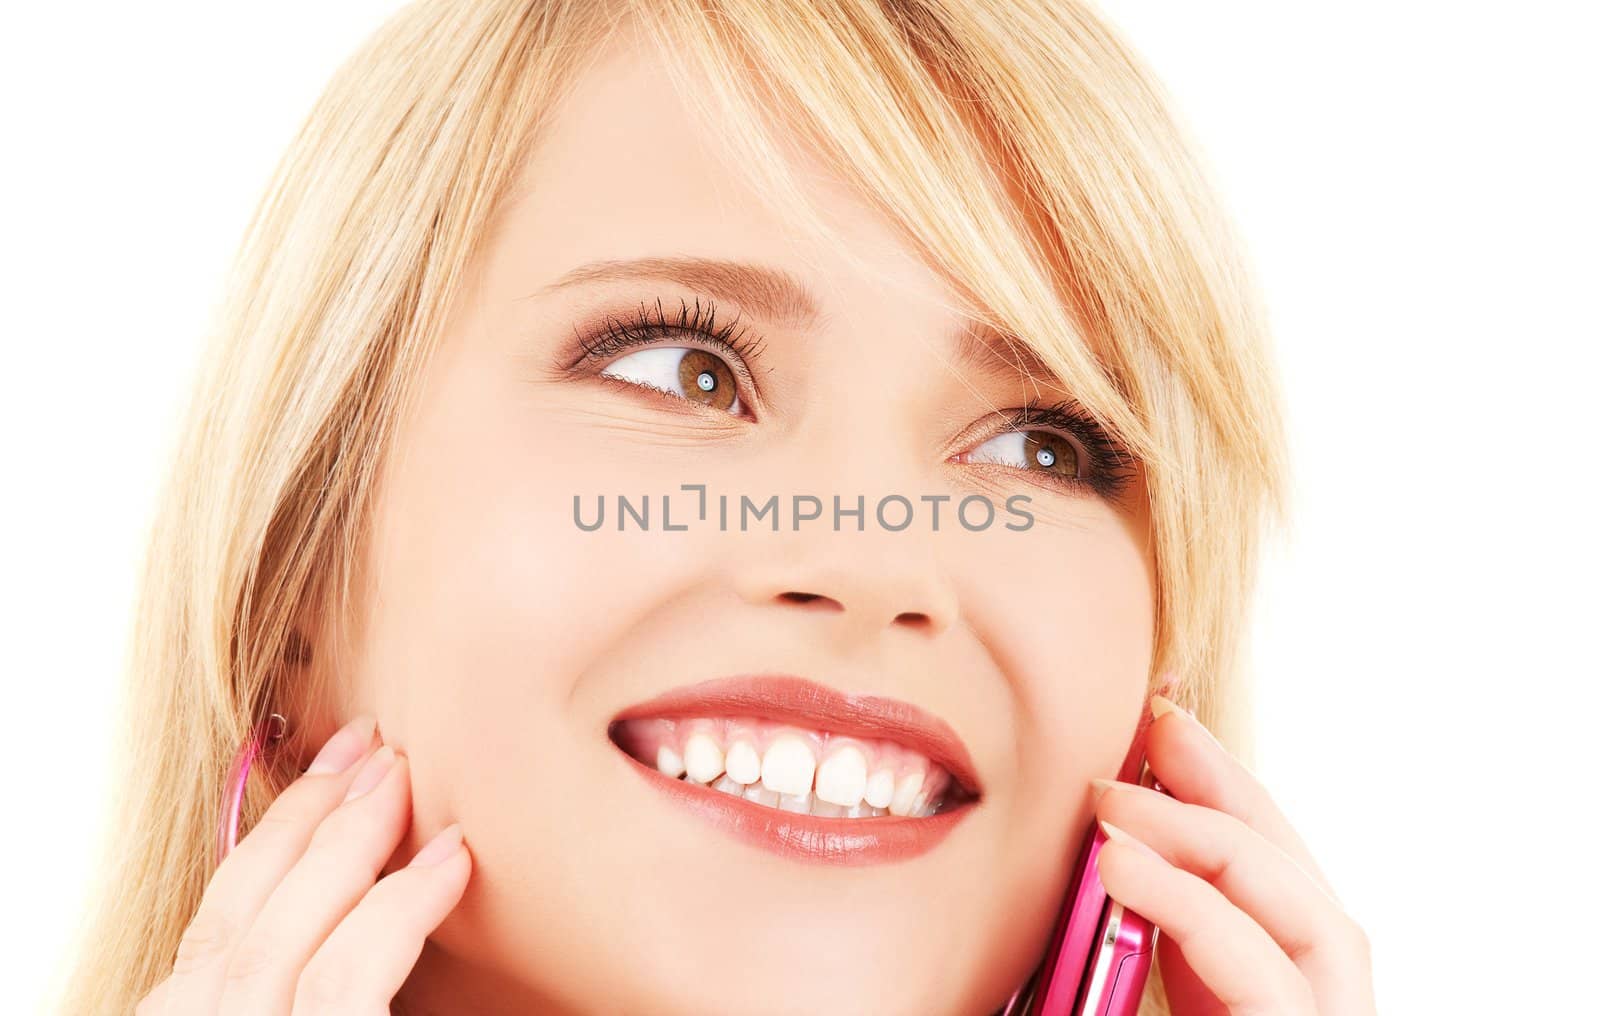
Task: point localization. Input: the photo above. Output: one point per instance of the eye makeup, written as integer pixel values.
(1047, 436)
(649, 326)
(1110, 466)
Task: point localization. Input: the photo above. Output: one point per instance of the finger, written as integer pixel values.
(1237, 961)
(1259, 878)
(367, 958)
(246, 878)
(346, 854)
(1196, 768)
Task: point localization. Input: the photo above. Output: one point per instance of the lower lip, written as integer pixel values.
(882, 840)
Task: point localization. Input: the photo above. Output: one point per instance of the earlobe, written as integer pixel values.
(298, 742)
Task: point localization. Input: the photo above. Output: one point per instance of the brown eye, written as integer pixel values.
(705, 378)
(1030, 449)
(694, 374)
(1044, 450)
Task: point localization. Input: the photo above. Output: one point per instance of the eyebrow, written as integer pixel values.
(776, 295)
(771, 293)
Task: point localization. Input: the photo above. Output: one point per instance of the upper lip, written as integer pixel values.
(791, 699)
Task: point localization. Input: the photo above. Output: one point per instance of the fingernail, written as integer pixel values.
(1127, 839)
(1160, 706)
(1101, 786)
(442, 846)
(372, 773)
(345, 747)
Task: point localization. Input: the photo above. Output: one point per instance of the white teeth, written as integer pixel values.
(788, 776)
(843, 777)
(668, 762)
(761, 795)
(702, 758)
(743, 763)
(800, 804)
(788, 766)
(880, 789)
(905, 794)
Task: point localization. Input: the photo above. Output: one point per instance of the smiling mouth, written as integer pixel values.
(795, 766)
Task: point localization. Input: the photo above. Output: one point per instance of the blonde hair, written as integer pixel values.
(1021, 146)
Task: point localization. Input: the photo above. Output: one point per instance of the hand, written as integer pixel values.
(1249, 925)
(292, 921)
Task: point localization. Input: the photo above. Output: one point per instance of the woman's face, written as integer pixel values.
(500, 640)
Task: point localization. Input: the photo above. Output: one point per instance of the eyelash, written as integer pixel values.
(1112, 467)
(617, 335)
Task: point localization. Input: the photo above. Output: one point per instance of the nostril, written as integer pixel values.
(915, 619)
(806, 599)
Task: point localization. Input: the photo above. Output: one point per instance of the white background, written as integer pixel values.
(1416, 184)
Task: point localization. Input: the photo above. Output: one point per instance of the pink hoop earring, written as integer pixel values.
(271, 729)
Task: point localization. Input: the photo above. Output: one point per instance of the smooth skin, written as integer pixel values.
(296, 918)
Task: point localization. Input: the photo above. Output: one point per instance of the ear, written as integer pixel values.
(317, 689)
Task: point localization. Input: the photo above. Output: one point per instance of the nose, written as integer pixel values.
(858, 590)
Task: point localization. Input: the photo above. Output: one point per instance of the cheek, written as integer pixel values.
(1068, 611)
(1067, 614)
(1075, 615)
(492, 603)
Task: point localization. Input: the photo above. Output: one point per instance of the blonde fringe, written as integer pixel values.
(1020, 145)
